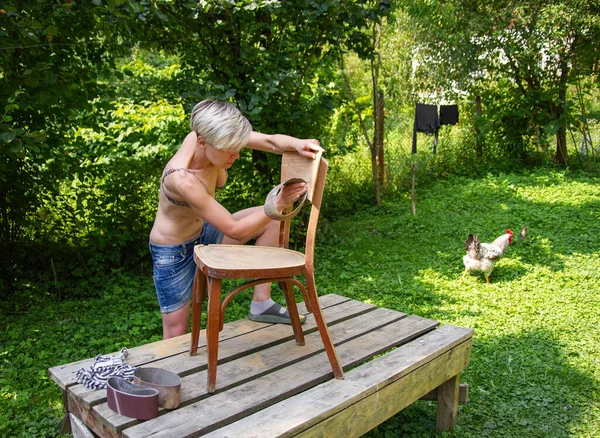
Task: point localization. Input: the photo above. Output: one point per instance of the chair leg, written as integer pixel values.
(307, 302)
(338, 372)
(213, 322)
(281, 285)
(198, 297)
(290, 301)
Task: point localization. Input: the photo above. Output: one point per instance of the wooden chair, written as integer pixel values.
(262, 264)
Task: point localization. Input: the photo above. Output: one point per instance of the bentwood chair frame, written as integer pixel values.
(260, 264)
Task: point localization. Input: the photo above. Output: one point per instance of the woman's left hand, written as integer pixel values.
(289, 194)
(307, 148)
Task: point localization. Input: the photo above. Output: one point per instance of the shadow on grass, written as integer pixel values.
(518, 386)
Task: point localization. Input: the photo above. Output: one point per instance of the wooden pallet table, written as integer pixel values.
(268, 386)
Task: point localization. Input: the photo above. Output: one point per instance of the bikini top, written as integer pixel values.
(162, 185)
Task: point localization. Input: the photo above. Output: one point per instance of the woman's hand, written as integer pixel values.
(289, 194)
(307, 147)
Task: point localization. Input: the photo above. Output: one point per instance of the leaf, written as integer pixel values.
(52, 30)
(32, 81)
(7, 137)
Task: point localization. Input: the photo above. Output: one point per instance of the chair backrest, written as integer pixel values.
(314, 172)
(295, 165)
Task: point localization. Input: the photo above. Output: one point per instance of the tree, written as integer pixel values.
(534, 48)
(51, 56)
(274, 59)
(59, 68)
(375, 142)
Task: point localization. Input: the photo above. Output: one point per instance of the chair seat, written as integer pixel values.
(240, 261)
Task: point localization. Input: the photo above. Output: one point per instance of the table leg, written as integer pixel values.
(447, 409)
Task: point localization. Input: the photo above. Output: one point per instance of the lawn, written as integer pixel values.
(535, 368)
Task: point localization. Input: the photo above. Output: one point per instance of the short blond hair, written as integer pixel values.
(220, 124)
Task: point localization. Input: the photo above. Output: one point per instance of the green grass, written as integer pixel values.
(535, 367)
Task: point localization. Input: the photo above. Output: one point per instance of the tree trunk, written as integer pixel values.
(367, 139)
(376, 144)
(375, 178)
(561, 143)
(478, 140)
(379, 130)
(561, 135)
(377, 116)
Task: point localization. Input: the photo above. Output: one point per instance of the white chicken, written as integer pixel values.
(482, 256)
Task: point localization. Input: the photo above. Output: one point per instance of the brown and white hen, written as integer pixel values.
(482, 256)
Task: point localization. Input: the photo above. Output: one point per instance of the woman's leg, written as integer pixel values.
(263, 308)
(176, 323)
(269, 236)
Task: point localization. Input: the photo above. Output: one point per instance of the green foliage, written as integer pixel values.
(534, 368)
(98, 214)
(52, 54)
(87, 117)
(148, 76)
(258, 57)
(524, 59)
(275, 60)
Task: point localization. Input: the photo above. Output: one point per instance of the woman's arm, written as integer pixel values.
(211, 211)
(280, 143)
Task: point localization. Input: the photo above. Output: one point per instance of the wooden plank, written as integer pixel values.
(368, 395)
(78, 429)
(231, 405)
(361, 417)
(233, 347)
(89, 418)
(266, 361)
(64, 375)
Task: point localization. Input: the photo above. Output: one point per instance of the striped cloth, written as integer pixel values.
(103, 368)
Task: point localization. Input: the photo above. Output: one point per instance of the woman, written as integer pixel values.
(188, 213)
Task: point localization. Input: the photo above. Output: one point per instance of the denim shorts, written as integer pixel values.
(174, 268)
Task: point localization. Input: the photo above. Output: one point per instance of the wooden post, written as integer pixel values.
(447, 410)
(412, 190)
(479, 145)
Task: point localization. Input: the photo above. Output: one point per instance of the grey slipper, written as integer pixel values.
(274, 316)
